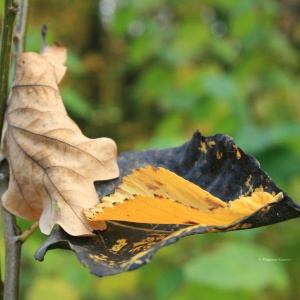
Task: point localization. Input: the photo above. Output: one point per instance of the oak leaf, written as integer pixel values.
(53, 166)
(159, 196)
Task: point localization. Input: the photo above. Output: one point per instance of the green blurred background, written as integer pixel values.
(148, 74)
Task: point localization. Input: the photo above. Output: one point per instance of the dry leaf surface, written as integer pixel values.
(156, 195)
(53, 166)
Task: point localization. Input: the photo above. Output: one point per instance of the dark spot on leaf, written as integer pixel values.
(152, 187)
(158, 196)
(190, 223)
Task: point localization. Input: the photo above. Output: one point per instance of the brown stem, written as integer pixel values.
(12, 244)
(12, 251)
(10, 230)
(10, 11)
(28, 232)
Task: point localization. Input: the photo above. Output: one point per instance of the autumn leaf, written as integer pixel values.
(215, 164)
(53, 166)
(156, 195)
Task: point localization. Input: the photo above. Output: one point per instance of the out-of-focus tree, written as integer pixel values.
(217, 66)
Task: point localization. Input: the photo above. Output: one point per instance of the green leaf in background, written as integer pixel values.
(75, 104)
(259, 140)
(235, 266)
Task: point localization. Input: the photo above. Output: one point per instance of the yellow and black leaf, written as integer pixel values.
(214, 164)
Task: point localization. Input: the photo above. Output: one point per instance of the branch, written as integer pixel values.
(20, 32)
(12, 247)
(10, 230)
(10, 11)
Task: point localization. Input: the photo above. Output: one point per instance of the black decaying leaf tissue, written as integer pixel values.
(214, 163)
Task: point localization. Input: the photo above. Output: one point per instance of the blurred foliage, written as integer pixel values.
(148, 74)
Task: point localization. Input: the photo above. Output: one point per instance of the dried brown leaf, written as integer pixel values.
(53, 166)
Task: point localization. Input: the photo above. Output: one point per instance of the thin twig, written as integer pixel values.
(20, 33)
(28, 232)
(44, 33)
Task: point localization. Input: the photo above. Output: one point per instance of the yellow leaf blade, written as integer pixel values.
(145, 206)
(150, 181)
